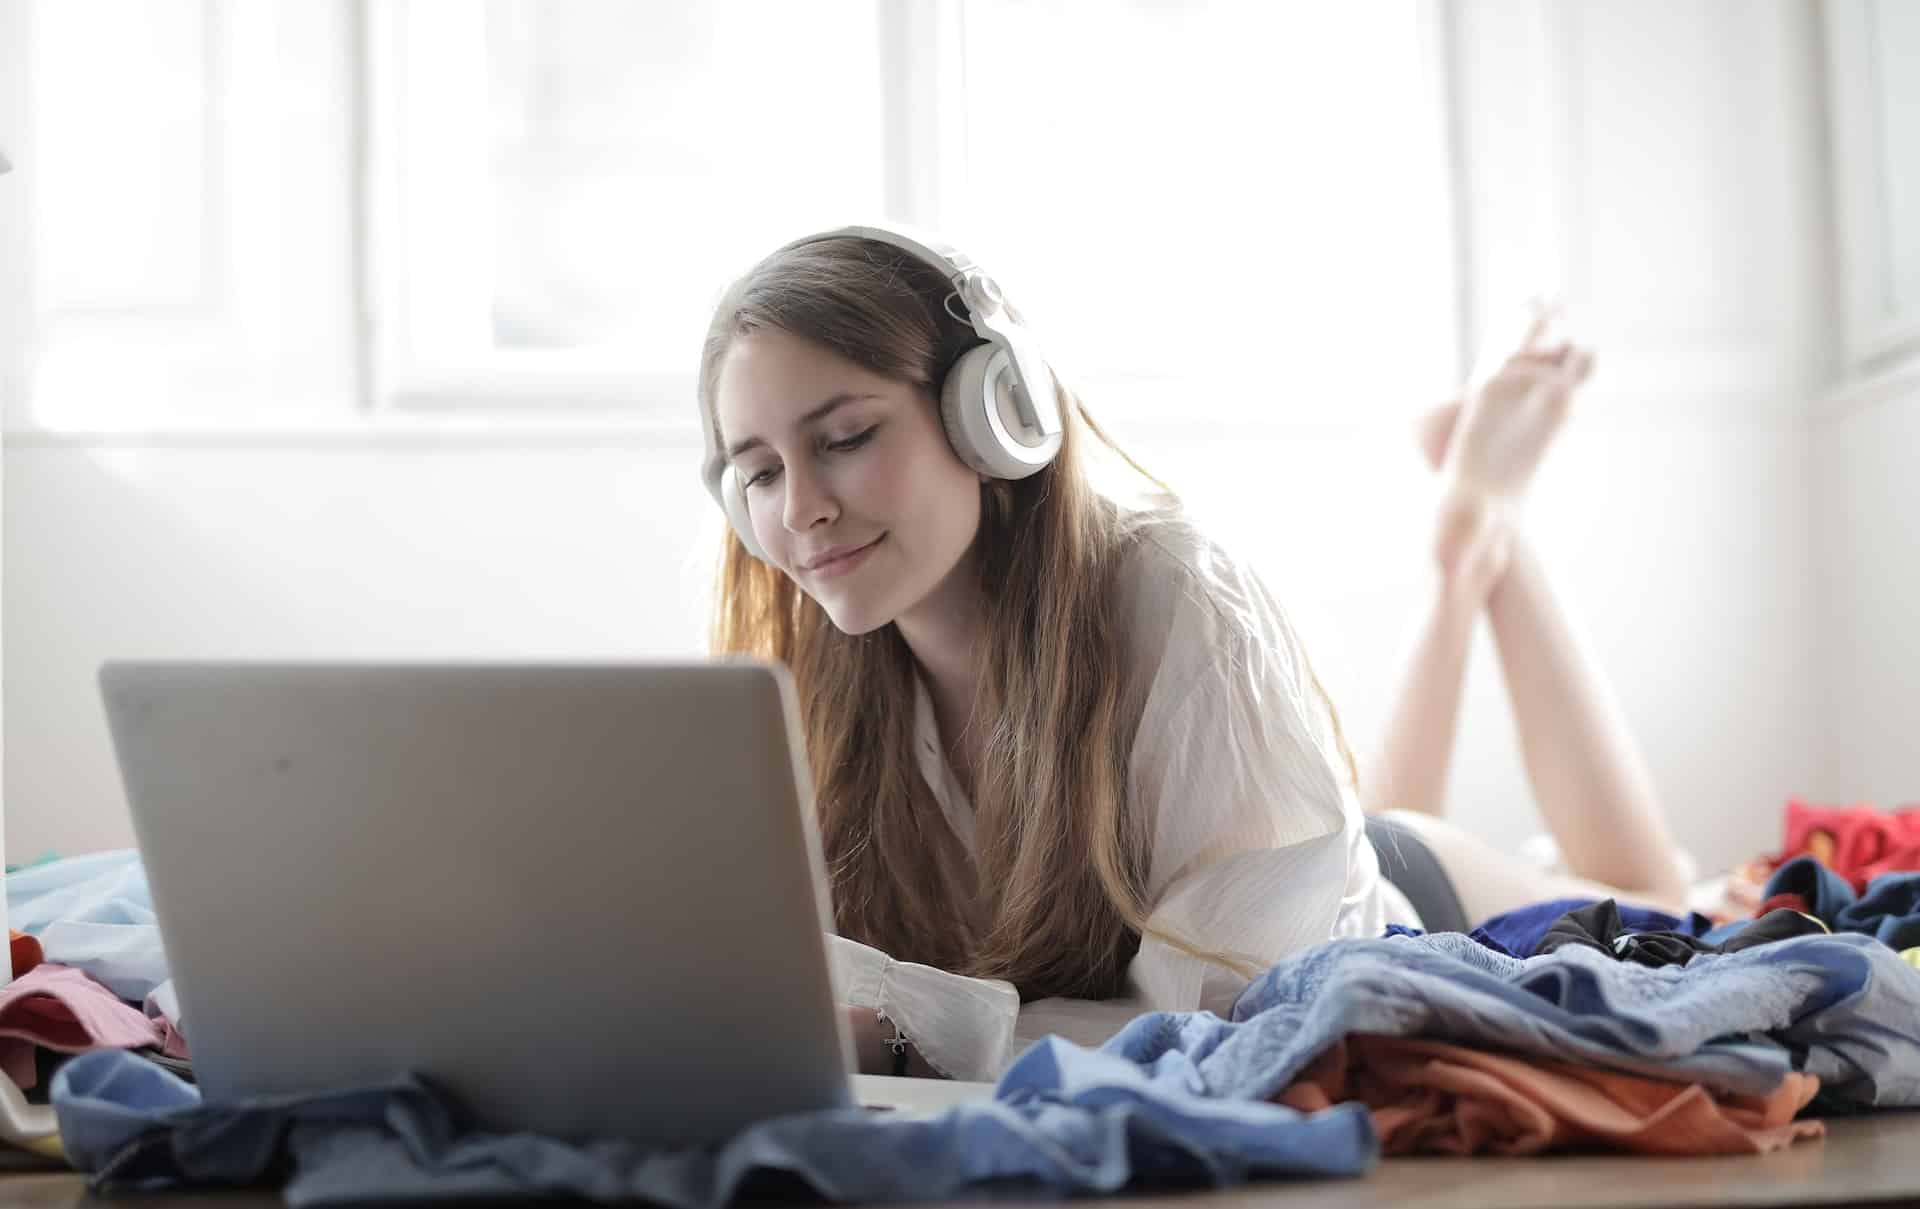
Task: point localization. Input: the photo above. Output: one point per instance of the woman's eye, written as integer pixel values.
(847, 446)
(855, 441)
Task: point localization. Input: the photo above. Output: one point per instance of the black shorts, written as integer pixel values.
(1407, 862)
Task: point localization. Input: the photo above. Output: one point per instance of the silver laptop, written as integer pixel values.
(586, 899)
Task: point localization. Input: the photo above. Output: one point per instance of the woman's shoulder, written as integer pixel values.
(1178, 576)
(1193, 608)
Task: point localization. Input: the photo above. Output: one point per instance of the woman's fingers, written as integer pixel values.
(1547, 313)
(1536, 331)
(1580, 365)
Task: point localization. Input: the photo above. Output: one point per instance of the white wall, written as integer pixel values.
(399, 550)
(14, 265)
(1866, 503)
(1680, 204)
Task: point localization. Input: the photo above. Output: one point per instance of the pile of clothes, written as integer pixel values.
(1567, 1024)
(1857, 844)
(88, 974)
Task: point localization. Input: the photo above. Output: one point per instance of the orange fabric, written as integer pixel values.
(25, 951)
(1430, 1097)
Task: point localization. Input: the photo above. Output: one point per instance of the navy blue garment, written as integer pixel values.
(1825, 892)
(1519, 932)
(1889, 911)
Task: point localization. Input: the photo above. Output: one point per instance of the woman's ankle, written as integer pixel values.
(1473, 542)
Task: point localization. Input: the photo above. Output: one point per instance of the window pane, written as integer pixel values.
(192, 224)
(1896, 49)
(636, 147)
(1242, 191)
(95, 250)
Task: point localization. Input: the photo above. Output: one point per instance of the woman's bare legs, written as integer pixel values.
(1492, 880)
(1587, 773)
(1588, 777)
(1410, 772)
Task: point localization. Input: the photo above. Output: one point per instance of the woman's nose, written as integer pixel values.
(808, 501)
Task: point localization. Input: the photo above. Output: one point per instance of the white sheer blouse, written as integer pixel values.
(1258, 844)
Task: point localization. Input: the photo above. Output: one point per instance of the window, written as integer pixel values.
(1231, 202)
(567, 186)
(183, 172)
(1873, 110)
(529, 206)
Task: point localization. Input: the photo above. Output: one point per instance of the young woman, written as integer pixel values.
(1074, 746)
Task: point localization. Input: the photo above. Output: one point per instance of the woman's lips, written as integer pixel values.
(847, 563)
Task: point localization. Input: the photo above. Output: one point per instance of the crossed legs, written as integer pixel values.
(1588, 777)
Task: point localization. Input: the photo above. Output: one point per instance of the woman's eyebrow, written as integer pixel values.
(819, 413)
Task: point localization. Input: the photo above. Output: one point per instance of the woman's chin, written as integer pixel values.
(854, 619)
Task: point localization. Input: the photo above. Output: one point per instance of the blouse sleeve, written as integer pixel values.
(1251, 825)
(963, 1027)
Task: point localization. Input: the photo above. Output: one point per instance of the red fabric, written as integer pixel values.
(1790, 902)
(1857, 842)
(26, 952)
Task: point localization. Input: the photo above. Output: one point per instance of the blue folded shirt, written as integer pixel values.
(1844, 1003)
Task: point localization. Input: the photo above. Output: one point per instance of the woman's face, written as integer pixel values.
(852, 487)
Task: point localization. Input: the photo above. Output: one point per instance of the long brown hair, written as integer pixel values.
(1053, 900)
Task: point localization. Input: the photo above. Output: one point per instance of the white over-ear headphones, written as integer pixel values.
(997, 402)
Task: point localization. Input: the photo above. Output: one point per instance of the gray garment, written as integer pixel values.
(1407, 862)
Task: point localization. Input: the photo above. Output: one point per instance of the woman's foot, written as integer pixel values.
(1486, 447)
(1472, 534)
(1506, 424)
(1472, 544)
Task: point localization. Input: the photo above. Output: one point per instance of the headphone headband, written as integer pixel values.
(997, 402)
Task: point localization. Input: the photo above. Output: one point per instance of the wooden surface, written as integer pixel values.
(1872, 1160)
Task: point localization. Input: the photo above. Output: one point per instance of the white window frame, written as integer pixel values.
(1875, 335)
(430, 348)
(407, 318)
(16, 240)
(253, 349)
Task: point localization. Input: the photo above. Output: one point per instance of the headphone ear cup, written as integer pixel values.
(734, 497)
(963, 388)
(977, 423)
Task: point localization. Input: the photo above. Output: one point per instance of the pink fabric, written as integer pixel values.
(172, 1044)
(59, 1007)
